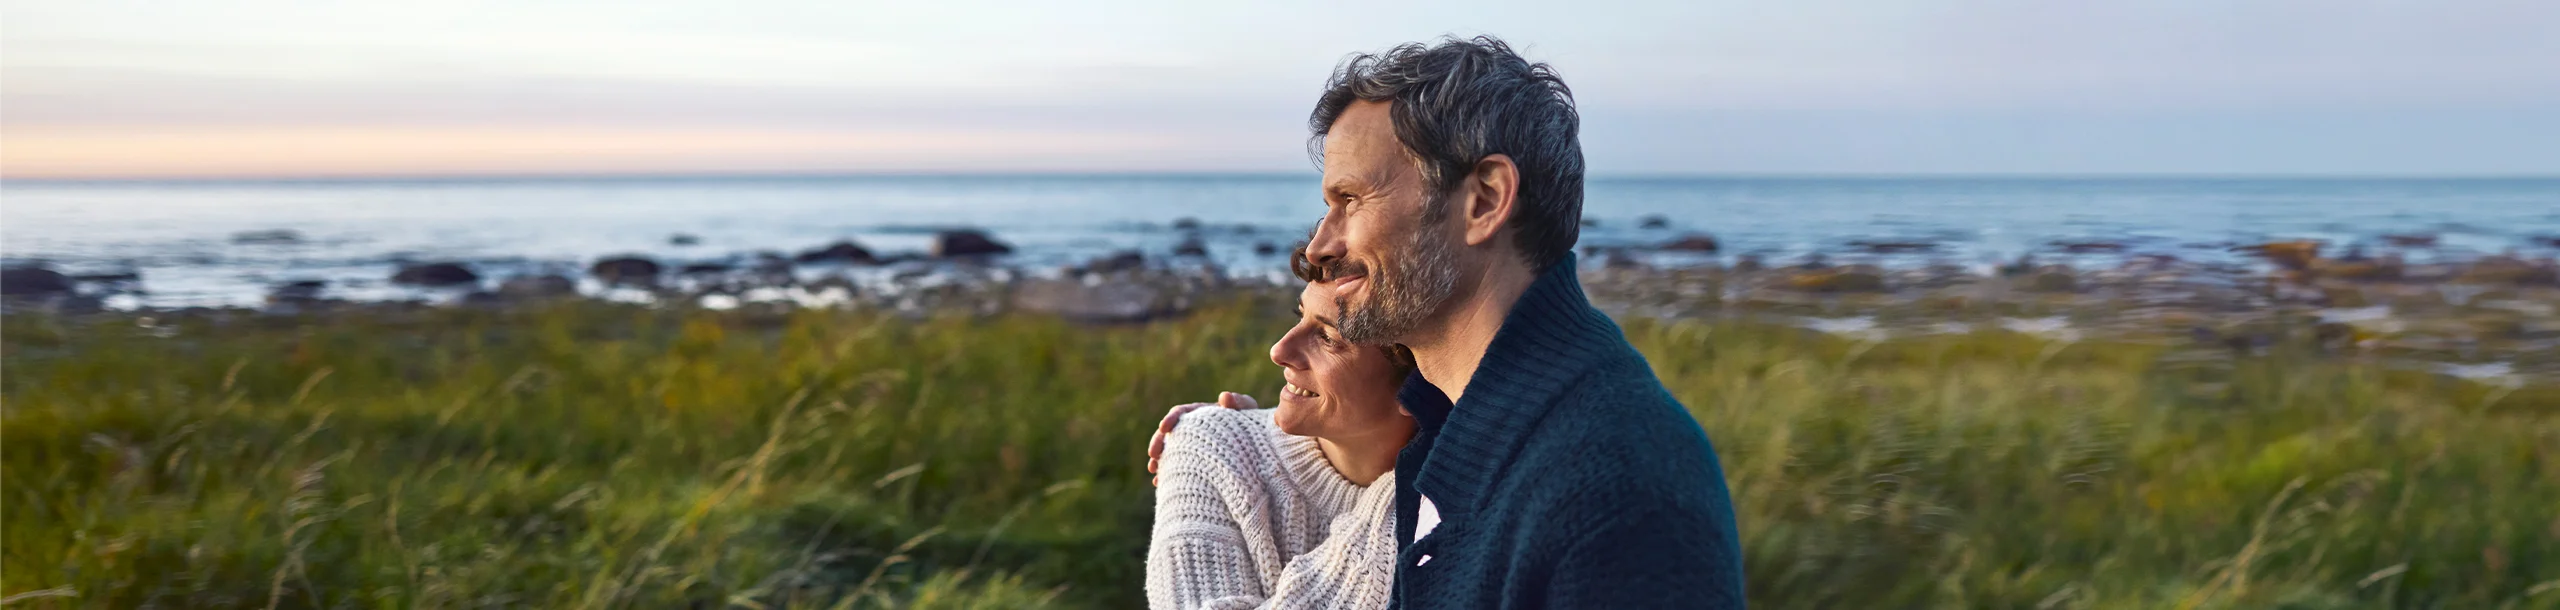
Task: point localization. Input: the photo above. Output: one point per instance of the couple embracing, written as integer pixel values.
(1459, 427)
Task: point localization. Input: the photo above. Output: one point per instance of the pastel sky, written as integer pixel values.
(300, 88)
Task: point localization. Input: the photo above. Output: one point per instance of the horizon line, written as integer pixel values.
(1203, 174)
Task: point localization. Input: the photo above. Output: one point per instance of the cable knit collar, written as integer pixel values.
(1549, 340)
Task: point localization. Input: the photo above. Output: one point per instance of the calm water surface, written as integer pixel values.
(179, 235)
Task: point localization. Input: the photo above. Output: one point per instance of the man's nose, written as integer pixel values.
(1326, 245)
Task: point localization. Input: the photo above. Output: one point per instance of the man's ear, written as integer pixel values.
(1490, 193)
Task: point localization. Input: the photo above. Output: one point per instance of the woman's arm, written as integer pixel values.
(1227, 521)
(1355, 566)
(1212, 546)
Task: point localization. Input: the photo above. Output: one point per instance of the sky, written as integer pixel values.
(272, 88)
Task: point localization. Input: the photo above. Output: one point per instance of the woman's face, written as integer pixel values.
(1335, 389)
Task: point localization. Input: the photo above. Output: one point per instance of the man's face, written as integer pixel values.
(1389, 249)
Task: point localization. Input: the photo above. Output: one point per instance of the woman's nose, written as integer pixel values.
(1284, 355)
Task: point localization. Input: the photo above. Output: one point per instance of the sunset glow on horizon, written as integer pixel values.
(272, 88)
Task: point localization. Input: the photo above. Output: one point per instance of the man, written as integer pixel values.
(1551, 469)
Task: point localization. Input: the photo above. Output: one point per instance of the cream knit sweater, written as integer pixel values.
(1249, 517)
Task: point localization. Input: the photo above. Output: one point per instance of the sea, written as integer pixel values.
(228, 242)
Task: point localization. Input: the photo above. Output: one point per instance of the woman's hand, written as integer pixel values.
(1155, 446)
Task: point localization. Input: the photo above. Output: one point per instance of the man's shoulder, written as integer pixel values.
(1621, 438)
(1619, 401)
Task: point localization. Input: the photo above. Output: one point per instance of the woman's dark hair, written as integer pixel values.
(1455, 103)
(1312, 273)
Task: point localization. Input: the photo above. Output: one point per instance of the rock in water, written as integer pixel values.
(1854, 278)
(625, 271)
(109, 277)
(1124, 260)
(1104, 302)
(2088, 247)
(298, 292)
(1186, 224)
(435, 275)
(1694, 243)
(1892, 247)
(684, 239)
(1191, 247)
(2296, 255)
(2410, 240)
(538, 287)
(839, 252)
(1265, 249)
(1655, 222)
(2053, 278)
(267, 237)
(967, 243)
(32, 281)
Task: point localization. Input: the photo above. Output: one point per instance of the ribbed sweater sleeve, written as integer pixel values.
(1248, 517)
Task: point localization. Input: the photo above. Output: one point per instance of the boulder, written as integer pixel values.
(1102, 302)
(435, 275)
(1124, 260)
(109, 277)
(296, 292)
(626, 271)
(537, 287)
(1750, 263)
(2410, 240)
(1699, 242)
(704, 268)
(1265, 248)
(2296, 254)
(2088, 247)
(967, 243)
(2025, 264)
(1853, 278)
(772, 262)
(2053, 278)
(1186, 224)
(839, 252)
(1656, 221)
(684, 239)
(32, 281)
(2385, 269)
(270, 237)
(1191, 247)
(1618, 258)
(2509, 270)
(1892, 247)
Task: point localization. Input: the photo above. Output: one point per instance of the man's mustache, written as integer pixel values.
(1343, 267)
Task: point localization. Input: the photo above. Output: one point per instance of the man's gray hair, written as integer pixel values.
(1455, 103)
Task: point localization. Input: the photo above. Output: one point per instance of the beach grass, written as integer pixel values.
(592, 455)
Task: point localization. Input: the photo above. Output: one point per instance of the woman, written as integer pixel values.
(1292, 507)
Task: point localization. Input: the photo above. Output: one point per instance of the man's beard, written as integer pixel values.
(1419, 275)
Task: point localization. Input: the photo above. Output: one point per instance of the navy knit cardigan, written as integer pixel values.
(1566, 477)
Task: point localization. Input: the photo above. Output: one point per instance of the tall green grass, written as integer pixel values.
(597, 456)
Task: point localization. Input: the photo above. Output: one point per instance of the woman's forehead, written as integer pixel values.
(1317, 301)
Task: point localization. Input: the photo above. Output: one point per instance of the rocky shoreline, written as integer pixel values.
(2494, 318)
